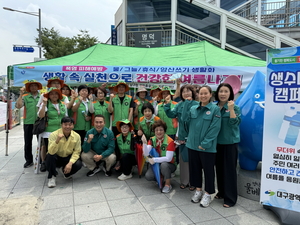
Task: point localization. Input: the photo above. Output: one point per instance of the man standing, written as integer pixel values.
(29, 101)
(63, 151)
(99, 145)
(121, 105)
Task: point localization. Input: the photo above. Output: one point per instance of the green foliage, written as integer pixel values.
(54, 45)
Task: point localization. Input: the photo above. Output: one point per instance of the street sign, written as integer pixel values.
(23, 49)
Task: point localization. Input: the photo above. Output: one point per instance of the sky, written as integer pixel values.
(66, 16)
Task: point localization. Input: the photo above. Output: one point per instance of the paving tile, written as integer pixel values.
(246, 219)
(24, 182)
(125, 206)
(86, 197)
(21, 192)
(134, 219)
(61, 188)
(199, 214)
(180, 197)
(120, 192)
(8, 182)
(248, 204)
(89, 185)
(93, 211)
(222, 221)
(4, 193)
(145, 189)
(225, 212)
(169, 216)
(135, 180)
(268, 216)
(153, 202)
(57, 201)
(57, 216)
(110, 182)
(107, 221)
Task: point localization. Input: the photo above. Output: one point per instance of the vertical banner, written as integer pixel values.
(280, 181)
(114, 40)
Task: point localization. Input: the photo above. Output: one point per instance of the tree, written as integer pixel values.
(54, 45)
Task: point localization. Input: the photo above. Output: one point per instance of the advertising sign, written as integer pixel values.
(280, 180)
(143, 75)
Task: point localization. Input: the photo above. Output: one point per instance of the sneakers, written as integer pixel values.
(107, 172)
(197, 196)
(93, 172)
(166, 189)
(43, 167)
(206, 199)
(124, 177)
(28, 164)
(52, 182)
(64, 175)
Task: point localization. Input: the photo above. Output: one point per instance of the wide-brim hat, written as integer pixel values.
(165, 89)
(141, 89)
(111, 86)
(53, 79)
(46, 95)
(27, 85)
(155, 87)
(118, 125)
(65, 85)
(119, 83)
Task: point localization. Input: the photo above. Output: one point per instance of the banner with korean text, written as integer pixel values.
(136, 75)
(280, 180)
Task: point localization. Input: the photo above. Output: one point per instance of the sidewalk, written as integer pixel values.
(26, 199)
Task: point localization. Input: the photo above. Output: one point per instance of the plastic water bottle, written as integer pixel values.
(286, 122)
(293, 131)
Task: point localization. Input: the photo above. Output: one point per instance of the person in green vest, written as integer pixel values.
(120, 105)
(125, 148)
(172, 123)
(67, 91)
(147, 120)
(55, 109)
(29, 101)
(100, 106)
(139, 102)
(165, 147)
(185, 92)
(81, 113)
(154, 91)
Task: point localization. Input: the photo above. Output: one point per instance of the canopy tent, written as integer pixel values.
(199, 62)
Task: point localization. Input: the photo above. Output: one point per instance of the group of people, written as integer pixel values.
(100, 128)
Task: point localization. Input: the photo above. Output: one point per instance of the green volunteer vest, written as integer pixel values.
(70, 112)
(80, 123)
(140, 114)
(102, 110)
(54, 120)
(163, 147)
(171, 130)
(124, 146)
(147, 129)
(30, 109)
(121, 111)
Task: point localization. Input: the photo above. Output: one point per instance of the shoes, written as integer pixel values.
(166, 189)
(28, 164)
(206, 199)
(197, 196)
(93, 172)
(43, 167)
(52, 182)
(124, 177)
(107, 172)
(183, 186)
(64, 175)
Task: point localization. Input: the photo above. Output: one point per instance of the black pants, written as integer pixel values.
(127, 161)
(82, 134)
(199, 161)
(28, 135)
(54, 161)
(226, 162)
(115, 130)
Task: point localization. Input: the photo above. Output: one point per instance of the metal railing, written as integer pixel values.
(273, 14)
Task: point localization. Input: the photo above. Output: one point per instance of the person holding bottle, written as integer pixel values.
(227, 145)
(202, 122)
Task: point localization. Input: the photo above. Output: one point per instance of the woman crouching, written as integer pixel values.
(165, 147)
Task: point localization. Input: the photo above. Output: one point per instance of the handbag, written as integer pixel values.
(39, 125)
